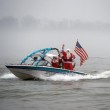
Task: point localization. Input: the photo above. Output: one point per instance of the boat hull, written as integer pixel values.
(29, 72)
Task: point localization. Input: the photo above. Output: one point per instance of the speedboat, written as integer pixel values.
(38, 64)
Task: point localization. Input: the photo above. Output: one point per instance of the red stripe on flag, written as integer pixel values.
(79, 53)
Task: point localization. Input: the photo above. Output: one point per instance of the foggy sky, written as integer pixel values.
(27, 25)
(86, 10)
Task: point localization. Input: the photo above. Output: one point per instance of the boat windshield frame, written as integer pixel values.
(43, 54)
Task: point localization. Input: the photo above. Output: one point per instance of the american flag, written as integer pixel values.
(81, 53)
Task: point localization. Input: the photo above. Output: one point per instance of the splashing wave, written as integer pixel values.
(8, 76)
(61, 77)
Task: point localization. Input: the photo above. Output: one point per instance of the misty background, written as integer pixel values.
(28, 25)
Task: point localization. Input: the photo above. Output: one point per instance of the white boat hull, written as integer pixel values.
(27, 72)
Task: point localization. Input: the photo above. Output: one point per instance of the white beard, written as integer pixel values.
(68, 55)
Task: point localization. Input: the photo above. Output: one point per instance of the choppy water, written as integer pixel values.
(59, 92)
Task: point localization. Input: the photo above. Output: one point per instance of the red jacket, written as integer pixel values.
(55, 63)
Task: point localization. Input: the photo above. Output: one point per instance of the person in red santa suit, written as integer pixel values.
(67, 58)
(55, 62)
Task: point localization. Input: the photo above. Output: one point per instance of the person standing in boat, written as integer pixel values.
(60, 56)
(55, 62)
(67, 59)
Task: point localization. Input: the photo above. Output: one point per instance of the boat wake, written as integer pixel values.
(62, 77)
(68, 77)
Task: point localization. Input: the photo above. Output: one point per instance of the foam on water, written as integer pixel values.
(61, 77)
(8, 76)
